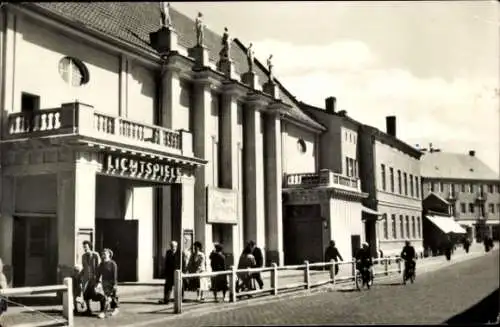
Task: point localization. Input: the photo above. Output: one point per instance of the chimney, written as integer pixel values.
(330, 104)
(472, 153)
(390, 124)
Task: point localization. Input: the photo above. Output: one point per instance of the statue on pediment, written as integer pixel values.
(166, 21)
(270, 68)
(226, 45)
(199, 29)
(250, 57)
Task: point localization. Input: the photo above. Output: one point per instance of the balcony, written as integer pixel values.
(83, 120)
(325, 178)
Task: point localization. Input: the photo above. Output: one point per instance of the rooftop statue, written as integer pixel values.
(199, 29)
(250, 57)
(226, 45)
(166, 21)
(270, 68)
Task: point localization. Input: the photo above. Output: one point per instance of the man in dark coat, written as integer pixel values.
(172, 263)
(332, 253)
(259, 260)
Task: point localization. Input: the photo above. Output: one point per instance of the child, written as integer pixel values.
(107, 275)
(79, 304)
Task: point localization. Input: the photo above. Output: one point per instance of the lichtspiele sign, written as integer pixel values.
(137, 168)
(222, 206)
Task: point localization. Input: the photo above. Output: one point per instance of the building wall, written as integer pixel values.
(36, 194)
(349, 146)
(330, 141)
(292, 159)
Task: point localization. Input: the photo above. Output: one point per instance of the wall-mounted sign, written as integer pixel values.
(126, 166)
(222, 206)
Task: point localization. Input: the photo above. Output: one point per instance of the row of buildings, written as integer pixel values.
(128, 125)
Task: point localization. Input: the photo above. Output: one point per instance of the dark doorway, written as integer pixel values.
(121, 236)
(355, 244)
(303, 234)
(34, 251)
(29, 102)
(371, 235)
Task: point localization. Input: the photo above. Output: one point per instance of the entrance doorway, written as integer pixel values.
(34, 251)
(303, 234)
(121, 236)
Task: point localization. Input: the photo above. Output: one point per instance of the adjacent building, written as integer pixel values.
(390, 174)
(470, 186)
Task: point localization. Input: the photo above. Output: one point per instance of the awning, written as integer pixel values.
(447, 224)
(370, 211)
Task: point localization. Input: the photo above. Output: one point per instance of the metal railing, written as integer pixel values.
(67, 299)
(274, 288)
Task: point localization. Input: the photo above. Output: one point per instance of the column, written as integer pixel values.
(76, 197)
(143, 212)
(229, 162)
(182, 209)
(7, 224)
(254, 217)
(170, 99)
(202, 148)
(273, 178)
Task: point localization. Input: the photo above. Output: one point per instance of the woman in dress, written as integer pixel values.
(218, 263)
(197, 264)
(107, 275)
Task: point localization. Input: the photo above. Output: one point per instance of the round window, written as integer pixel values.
(73, 71)
(301, 145)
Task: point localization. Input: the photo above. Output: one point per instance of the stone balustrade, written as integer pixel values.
(81, 119)
(325, 178)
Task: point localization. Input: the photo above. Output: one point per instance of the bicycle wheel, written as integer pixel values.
(358, 281)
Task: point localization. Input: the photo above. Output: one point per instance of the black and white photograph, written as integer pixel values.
(237, 163)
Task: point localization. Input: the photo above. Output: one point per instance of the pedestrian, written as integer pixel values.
(247, 260)
(172, 263)
(259, 262)
(3, 286)
(78, 302)
(466, 244)
(332, 253)
(218, 263)
(90, 263)
(197, 264)
(448, 246)
(107, 276)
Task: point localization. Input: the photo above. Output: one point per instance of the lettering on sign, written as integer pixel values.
(141, 169)
(222, 206)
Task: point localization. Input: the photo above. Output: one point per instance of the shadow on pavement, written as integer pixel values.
(484, 311)
(38, 301)
(348, 290)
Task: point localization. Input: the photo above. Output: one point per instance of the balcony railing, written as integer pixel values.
(325, 178)
(82, 119)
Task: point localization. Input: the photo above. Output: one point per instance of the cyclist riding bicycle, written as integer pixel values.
(364, 260)
(408, 254)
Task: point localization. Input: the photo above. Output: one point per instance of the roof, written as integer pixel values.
(448, 165)
(311, 108)
(131, 22)
(437, 196)
(392, 140)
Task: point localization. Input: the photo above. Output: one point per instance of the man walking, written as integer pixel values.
(172, 263)
(90, 262)
(259, 260)
(332, 253)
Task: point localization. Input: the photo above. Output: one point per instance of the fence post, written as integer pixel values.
(399, 265)
(234, 280)
(386, 266)
(178, 291)
(307, 275)
(332, 271)
(67, 298)
(274, 278)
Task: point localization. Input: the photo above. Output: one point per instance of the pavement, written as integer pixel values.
(138, 302)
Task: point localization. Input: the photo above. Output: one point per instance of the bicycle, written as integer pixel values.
(363, 278)
(409, 272)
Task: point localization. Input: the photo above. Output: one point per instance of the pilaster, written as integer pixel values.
(170, 97)
(7, 195)
(273, 184)
(76, 197)
(202, 102)
(254, 207)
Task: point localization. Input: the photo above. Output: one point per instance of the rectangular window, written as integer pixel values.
(413, 227)
(462, 208)
(391, 176)
(417, 187)
(491, 208)
(418, 228)
(347, 166)
(462, 188)
(407, 224)
(411, 186)
(382, 173)
(498, 188)
(405, 181)
(401, 227)
(386, 227)
(471, 188)
(400, 189)
(394, 235)
(442, 186)
(490, 188)
(471, 207)
(498, 207)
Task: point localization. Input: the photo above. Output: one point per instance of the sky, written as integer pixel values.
(434, 65)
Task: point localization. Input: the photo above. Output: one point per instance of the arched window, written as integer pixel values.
(73, 71)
